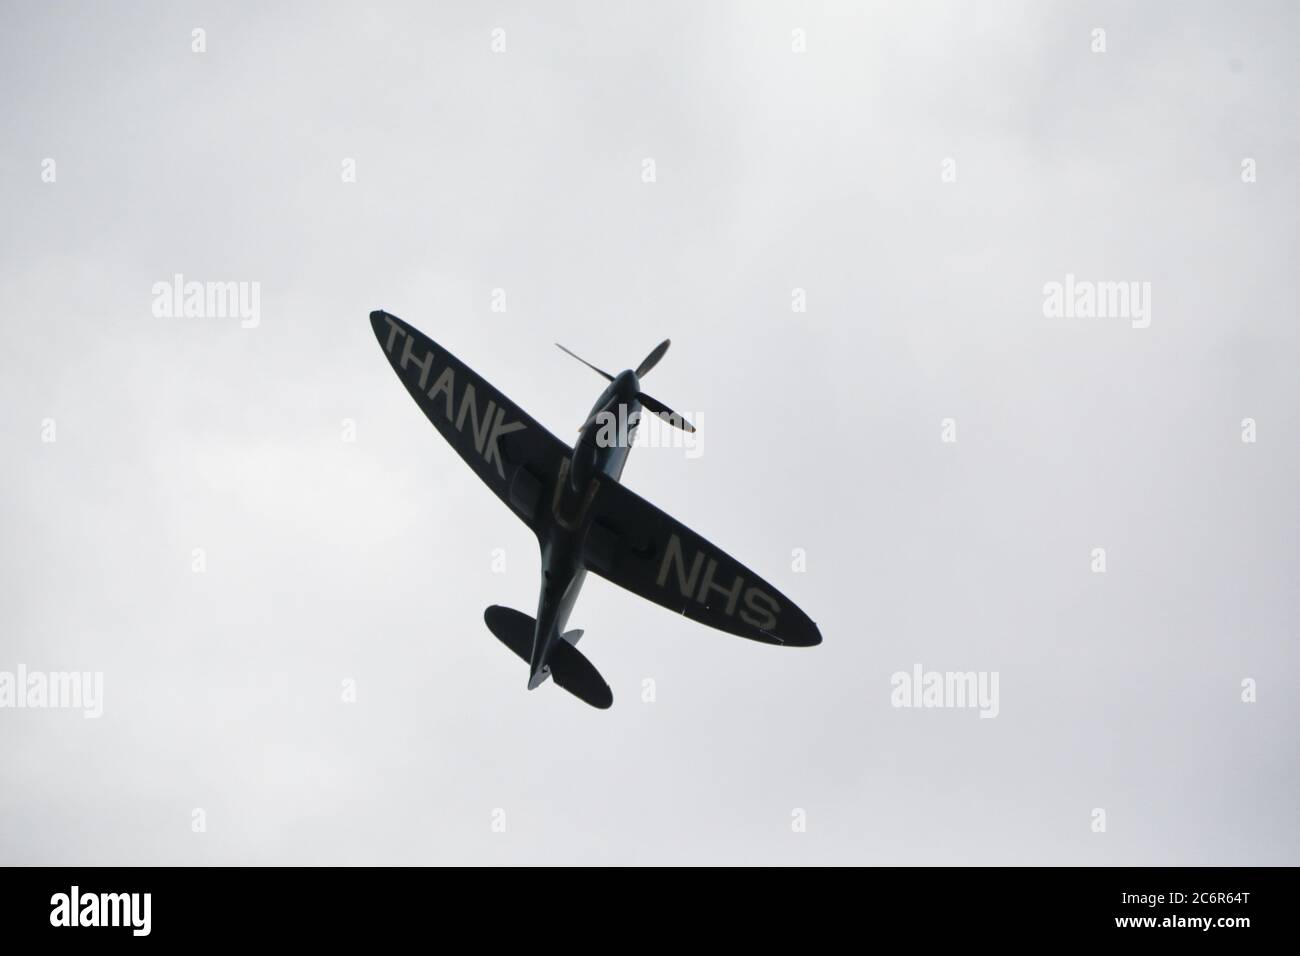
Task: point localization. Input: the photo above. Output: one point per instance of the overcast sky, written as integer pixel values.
(919, 170)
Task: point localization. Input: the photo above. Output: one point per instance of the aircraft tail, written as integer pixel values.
(570, 669)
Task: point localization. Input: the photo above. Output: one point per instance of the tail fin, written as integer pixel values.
(570, 669)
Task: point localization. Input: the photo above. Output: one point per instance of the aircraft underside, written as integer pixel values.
(584, 518)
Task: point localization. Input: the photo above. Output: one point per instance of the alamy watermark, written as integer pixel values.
(976, 690)
(1085, 299)
(129, 910)
(56, 690)
(642, 430)
(179, 299)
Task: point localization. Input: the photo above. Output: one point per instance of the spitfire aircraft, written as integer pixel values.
(584, 518)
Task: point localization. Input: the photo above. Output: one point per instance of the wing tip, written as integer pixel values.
(809, 635)
(816, 633)
(805, 640)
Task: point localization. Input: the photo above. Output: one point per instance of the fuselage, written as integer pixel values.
(602, 449)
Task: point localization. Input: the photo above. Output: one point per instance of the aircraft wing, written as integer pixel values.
(638, 547)
(513, 455)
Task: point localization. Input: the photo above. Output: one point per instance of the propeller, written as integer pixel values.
(651, 360)
(598, 371)
(657, 407)
(652, 404)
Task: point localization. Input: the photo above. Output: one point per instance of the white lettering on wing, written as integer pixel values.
(760, 608)
(487, 425)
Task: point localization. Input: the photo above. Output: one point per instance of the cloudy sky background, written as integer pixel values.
(372, 561)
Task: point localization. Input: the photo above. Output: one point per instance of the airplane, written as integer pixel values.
(585, 519)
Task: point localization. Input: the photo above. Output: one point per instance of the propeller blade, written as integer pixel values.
(657, 407)
(651, 360)
(608, 377)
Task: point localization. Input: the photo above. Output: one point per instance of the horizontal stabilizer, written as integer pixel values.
(579, 676)
(512, 628)
(567, 666)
